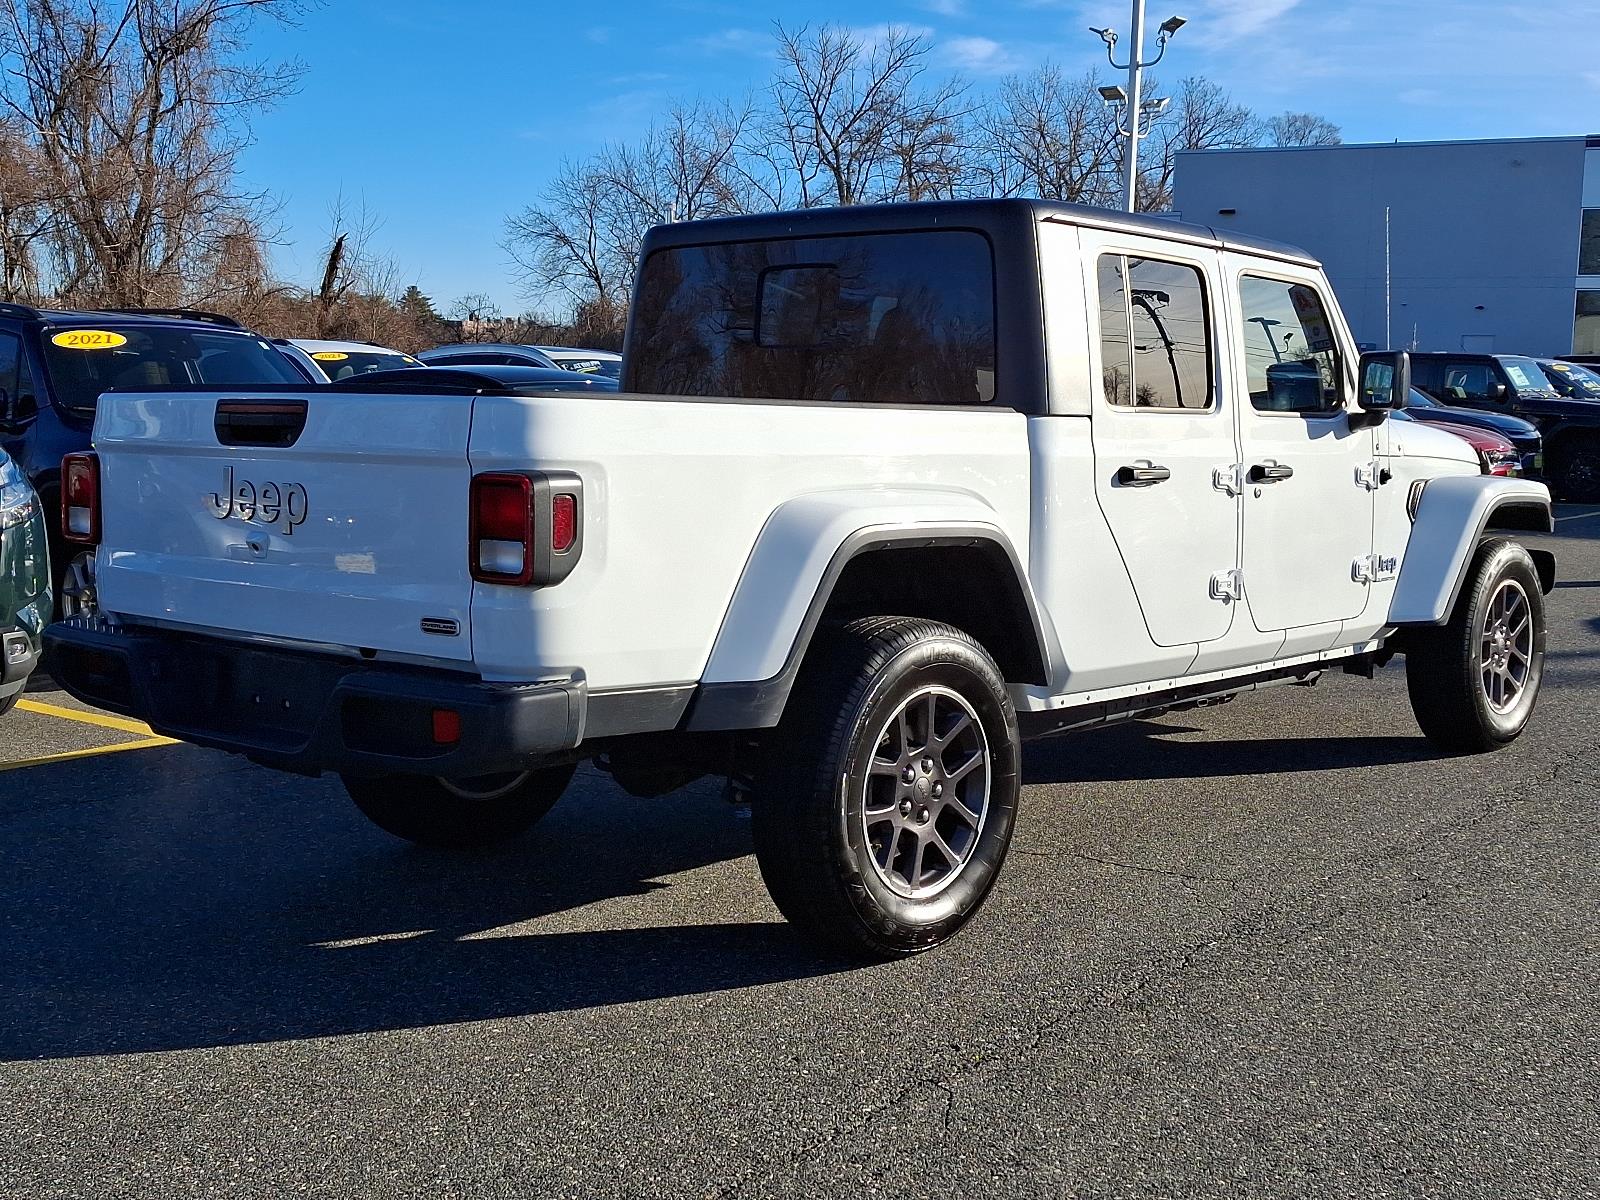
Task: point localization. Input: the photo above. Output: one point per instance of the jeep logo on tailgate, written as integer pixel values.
(280, 505)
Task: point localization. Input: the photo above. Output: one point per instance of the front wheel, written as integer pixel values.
(459, 813)
(885, 802)
(1574, 469)
(1474, 681)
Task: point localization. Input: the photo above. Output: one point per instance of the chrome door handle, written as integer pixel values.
(1142, 475)
(1270, 472)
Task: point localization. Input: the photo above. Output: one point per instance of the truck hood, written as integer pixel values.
(1514, 428)
(1567, 408)
(1413, 439)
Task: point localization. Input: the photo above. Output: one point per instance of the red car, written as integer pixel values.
(1496, 453)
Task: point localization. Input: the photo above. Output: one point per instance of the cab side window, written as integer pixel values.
(1467, 381)
(1292, 360)
(1155, 334)
(16, 378)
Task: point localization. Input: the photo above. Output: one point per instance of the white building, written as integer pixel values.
(1491, 246)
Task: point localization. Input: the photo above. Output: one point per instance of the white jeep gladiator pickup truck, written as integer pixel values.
(887, 491)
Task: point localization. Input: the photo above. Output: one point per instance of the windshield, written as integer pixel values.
(1420, 399)
(1572, 380)
(610, 368)
(1525, 375)
(84, 362)
(346, 364)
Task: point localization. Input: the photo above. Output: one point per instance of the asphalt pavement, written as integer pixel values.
(1274, 948)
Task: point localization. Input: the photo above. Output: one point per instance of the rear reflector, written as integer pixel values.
(446, 726)
(563, 522)
(80, 498)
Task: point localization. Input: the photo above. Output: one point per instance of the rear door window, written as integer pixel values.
(890, 318)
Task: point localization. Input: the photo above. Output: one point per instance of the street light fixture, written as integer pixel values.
(1116, 97)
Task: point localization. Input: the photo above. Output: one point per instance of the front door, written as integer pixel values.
(1309, 473)
(1162, 431)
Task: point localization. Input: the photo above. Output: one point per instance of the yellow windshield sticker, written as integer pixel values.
(329, 356)
(89, 339)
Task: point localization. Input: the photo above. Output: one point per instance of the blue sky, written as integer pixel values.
(440, 118)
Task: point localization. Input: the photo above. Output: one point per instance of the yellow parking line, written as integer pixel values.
(144, 744)
(104, 720)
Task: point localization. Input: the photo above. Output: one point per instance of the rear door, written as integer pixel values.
(1163, 431)
(354, 535)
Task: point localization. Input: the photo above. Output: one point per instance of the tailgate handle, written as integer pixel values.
(260, 422)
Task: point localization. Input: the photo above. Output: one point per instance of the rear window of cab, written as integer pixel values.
(883, 318)
(85, 361)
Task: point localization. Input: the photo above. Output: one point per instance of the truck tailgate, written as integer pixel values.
(355, 535)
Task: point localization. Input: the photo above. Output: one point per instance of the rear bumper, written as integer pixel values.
(310, 713)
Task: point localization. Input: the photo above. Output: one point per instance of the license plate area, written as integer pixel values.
(268, 699)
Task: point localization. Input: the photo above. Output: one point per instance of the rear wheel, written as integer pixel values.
(886, 799)
(459, 813)
(75, 596)
(1474, 681)
(1574, 468)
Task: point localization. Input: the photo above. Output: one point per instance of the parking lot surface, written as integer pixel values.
(1274, 948)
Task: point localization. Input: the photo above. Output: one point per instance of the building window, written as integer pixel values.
(1586, 326)
(1589, 243)
(1166, 362)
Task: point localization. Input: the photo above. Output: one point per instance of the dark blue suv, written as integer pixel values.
(55, 364)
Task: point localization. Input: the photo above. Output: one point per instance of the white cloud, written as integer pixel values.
(598, 34)
(1223, 21)
(978, 55)
(734, 41)
(945, 8)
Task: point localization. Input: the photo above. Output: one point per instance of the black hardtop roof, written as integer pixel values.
(956, 214)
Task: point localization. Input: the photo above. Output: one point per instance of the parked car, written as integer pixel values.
(1524, 435)
(1571, 379)
(24, 580)
(326, 361)
(894, 487)
(1516, 384)
(1495, 452)
(487, 354)
(593, 362)
(499, 380)
(54, 364)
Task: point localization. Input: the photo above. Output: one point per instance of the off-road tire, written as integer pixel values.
(425, 810)
(824, 768)
(1446, 665)
(9, 703)
(1574, 469)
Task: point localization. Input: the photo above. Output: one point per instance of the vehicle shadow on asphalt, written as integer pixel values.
(180, 921)
(1147, 750)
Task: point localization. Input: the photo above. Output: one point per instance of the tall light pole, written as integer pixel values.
(1131, 98)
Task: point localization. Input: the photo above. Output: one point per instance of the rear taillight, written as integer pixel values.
(525, 527)
(80, 498)
(502, 529)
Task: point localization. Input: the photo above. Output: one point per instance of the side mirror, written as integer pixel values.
(1385, 383)
(1497, 391)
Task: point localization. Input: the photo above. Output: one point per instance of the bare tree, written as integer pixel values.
(1302, 129)
(852, 121)
(136, 111)
(1201, 117)
(1050, 137)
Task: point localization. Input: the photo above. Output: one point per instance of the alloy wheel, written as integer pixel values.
(1506, 646)
(927, 793)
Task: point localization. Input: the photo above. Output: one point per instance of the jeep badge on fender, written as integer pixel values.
(280, 505)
